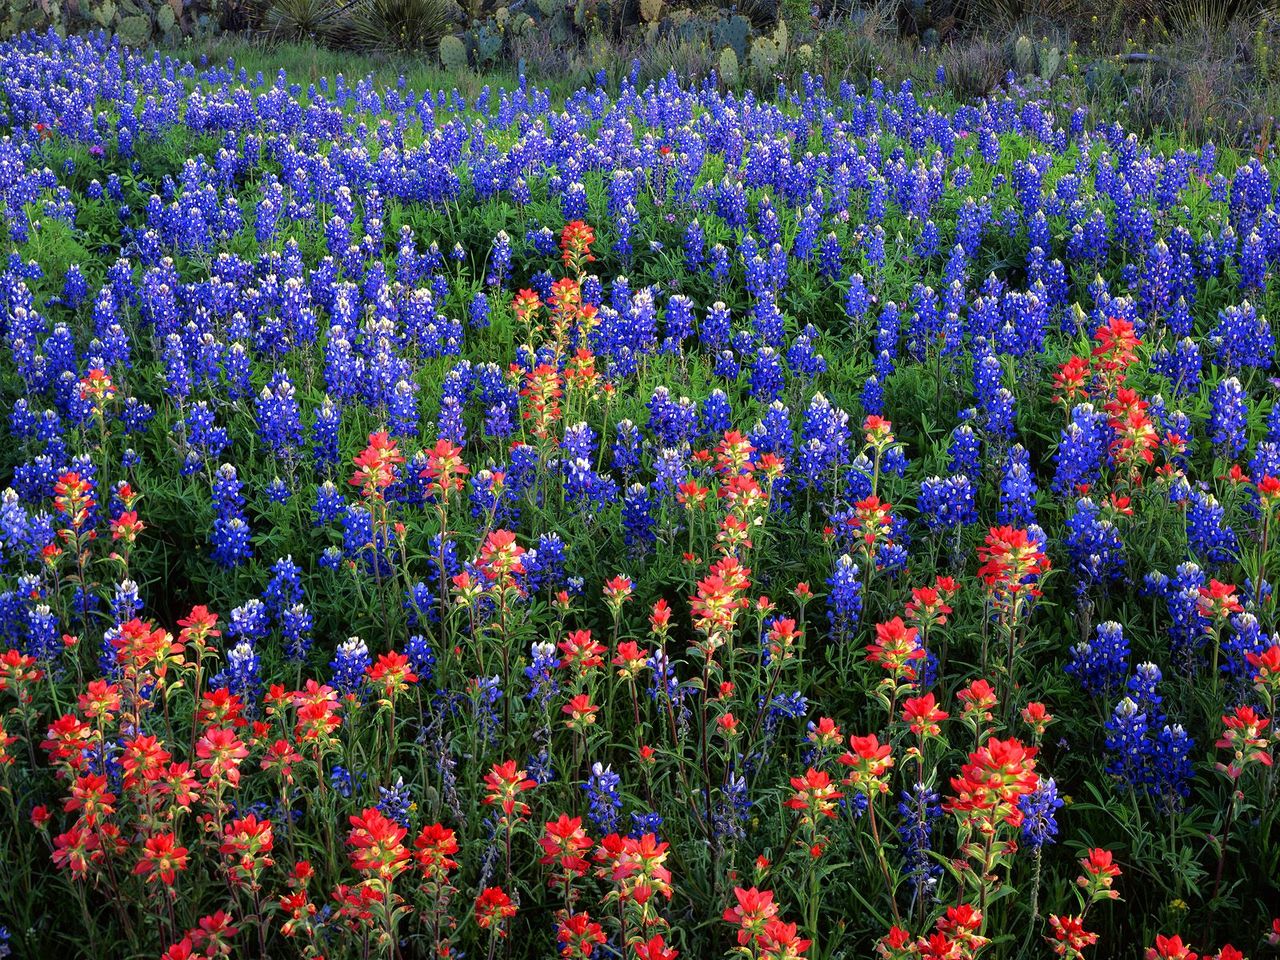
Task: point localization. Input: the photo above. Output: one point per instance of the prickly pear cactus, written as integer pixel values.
(1049, 60)
(1024, 56)
(733, 32)
(728, 68)
(651, 10)
(453, 54)
(487, 44)
(764, 55)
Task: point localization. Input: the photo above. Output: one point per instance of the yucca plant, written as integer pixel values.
(1210, 18)
(401, 25)
(300, 20)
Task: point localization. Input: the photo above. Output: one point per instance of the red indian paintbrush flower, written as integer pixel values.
(922, 715)
(895, 647)
(375, 465)
(580, 712)
(162, 858)
(247, 843)
(1170, 948)
(869, 762)
(1218, 601)
(377, 848)
(753, 910)
(1099, 870)
(580, 652)
(433, 850)
(989, 785)
(579, 935)
(655, 948)
(1013, 562)
(1069, 936)
(445, 469)
(1242, 734)
(815, 795)
(221, 753)
(391, 675)
(575, 244)
(505, 783)
(563, 843)
(781, 941)
(493, 909)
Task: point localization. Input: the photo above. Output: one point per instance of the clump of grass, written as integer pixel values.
(974, 67)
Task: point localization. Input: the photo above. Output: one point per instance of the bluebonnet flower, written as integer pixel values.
(662, 677)
(732, 811)
(1082, 452)
(1017, 490)
(544, 564)
(920, 810)
(1143, 689)
(604, 803)
(586, 489)
(1228, 417)
(279, 416)
(396, 802)
(422, 659)
(295, 628)
(1100, 665)
(947, 504)
(964, 451)
(540, 767)
(1039, 825)
(1242, 338)
(541, 672)
(644, 823)
(343, 781)
(694, 246)
(844, 601)
(1172, 769)
(824, 440)
(44, 639)
(277, 491)
(231, 535)
(486, 694)
(478, 311)
(126, 602)
(1127, 743)
(284, 589)
(637, 517)
(766, 375)
(1094, 545)
(784, 706)
(499, 269)
(330, 504)
(1181, 366)
(1182, 599)
(1244, 637)
(249, 621)
(349, 663)
(627, 447)
(1208, 535)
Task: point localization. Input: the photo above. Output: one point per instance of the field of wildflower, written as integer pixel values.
(647, 522)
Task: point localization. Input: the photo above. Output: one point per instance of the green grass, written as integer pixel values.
(307, 63)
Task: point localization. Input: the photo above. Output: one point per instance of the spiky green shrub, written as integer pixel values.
(401, 25)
